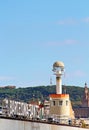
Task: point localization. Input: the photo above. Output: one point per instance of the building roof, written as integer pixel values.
(59, 95)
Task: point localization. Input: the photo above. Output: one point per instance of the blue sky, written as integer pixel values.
(35, 33)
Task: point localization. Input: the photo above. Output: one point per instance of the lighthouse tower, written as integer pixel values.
(60, 105)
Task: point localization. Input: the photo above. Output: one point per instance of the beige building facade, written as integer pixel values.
(60, 106)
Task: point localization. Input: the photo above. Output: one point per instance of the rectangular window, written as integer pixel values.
(53, 103)
(60, 103)
(66, 103)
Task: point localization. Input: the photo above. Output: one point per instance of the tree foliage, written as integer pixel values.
(41, 93)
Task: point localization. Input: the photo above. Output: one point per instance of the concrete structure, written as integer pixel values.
(60, 105)
(9, 124)
(58, 69)
(46, 108)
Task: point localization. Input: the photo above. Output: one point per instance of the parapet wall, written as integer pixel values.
(8, 124)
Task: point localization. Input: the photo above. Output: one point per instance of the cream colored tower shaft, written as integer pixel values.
(58, 85)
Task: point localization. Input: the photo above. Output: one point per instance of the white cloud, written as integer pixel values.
(86, 20)
(66, 21)
(65, 42)
(5, 78)
(70, 42)
(73, 21)
(77, 73)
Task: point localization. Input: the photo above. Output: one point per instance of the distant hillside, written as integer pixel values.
(41, 93)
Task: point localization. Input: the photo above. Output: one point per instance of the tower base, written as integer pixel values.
(60, 106)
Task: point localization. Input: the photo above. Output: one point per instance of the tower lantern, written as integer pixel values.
(58, 69)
